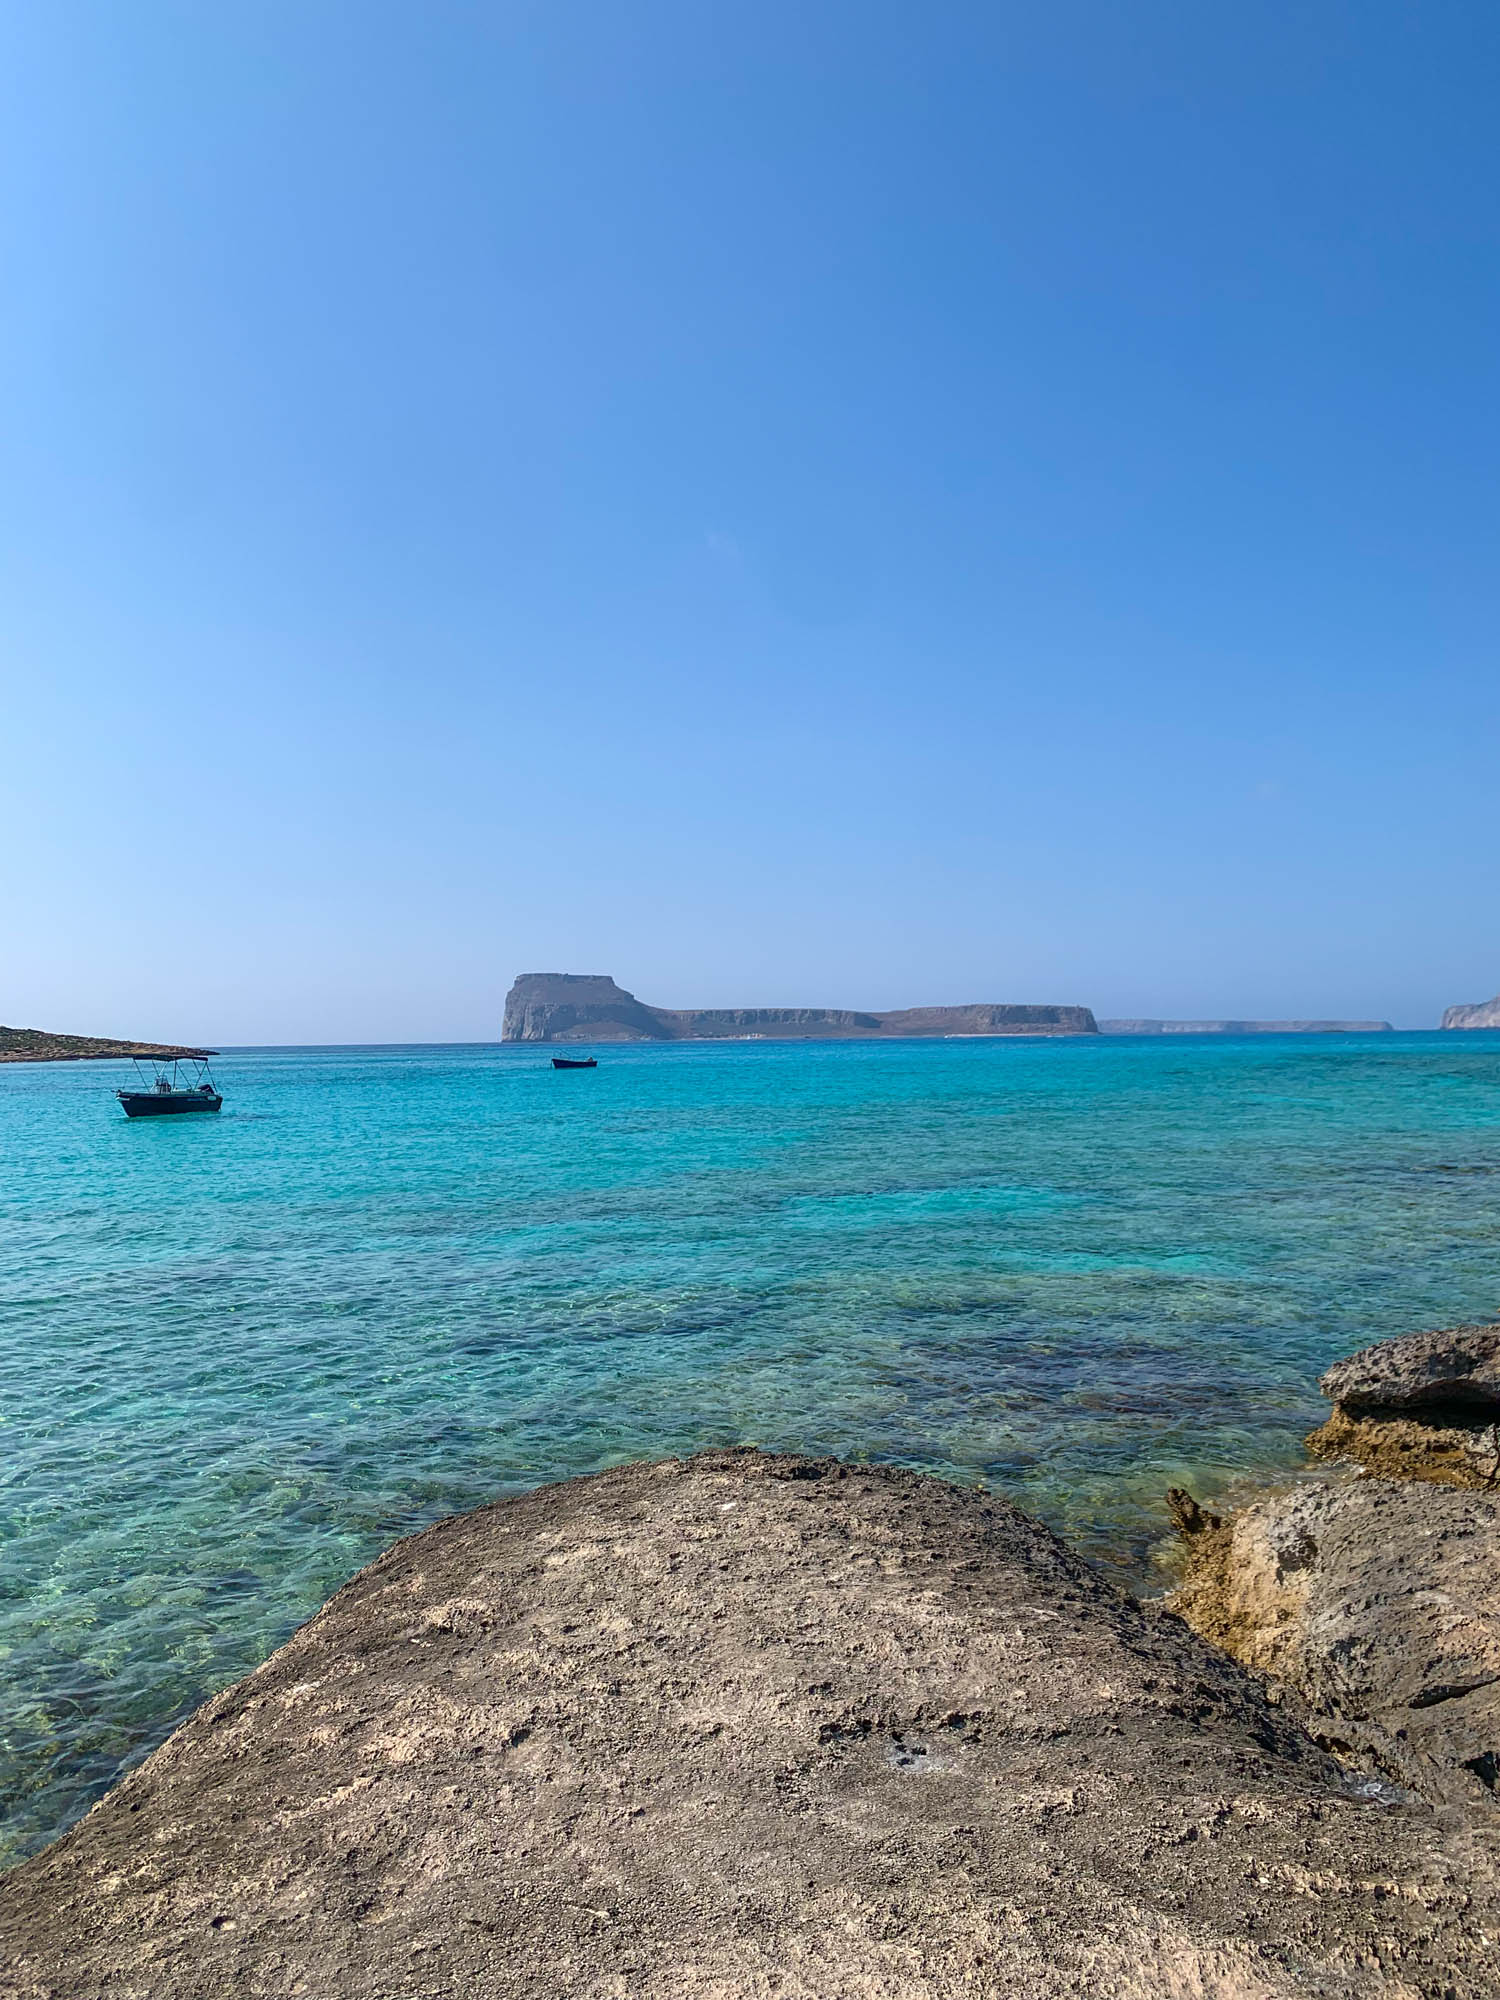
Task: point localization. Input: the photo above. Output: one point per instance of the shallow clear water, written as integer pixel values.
(238, 1355)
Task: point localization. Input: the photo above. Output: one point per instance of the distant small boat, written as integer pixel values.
(167, 1095)
(575, 1062)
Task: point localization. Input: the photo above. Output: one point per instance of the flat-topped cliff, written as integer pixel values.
(37, 1045)
(1246, 1028)
(1482, 1014)
(590, 1007)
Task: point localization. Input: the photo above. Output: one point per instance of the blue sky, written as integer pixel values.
(804, 503)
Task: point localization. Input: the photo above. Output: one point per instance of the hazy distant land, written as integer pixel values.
(37, 1045)
(1246, 1028)
(590, 1007)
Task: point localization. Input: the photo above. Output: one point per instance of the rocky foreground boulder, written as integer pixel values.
(751, 1726)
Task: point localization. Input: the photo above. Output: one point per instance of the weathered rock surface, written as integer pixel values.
(1245, 1028)
(1453, 1370)
(1378, 1602)
(747, 1726)
(1446, 1452)
(1483, 1014)
(574, 1006)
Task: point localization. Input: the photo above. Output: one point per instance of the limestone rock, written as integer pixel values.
(1484, 1014)
(1378, 1603)
(1453, 1370)
(554, 1006)
(1448, 1453)
(750, 1726)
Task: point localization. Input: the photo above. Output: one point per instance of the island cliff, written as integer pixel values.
(1482, 1014)
(590, 1007)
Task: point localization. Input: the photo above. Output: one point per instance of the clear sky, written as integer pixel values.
(780, 502)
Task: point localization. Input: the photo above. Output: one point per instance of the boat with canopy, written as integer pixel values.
(164, 1093)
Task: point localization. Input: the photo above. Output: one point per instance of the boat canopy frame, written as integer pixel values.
(158, 1066)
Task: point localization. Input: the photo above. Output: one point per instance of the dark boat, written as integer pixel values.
(575, 1062)
(167, 1096)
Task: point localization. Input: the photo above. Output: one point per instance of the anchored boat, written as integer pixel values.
(575, 1062)
(166, 1095)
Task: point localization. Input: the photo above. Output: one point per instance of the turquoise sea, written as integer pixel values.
(239, 1355)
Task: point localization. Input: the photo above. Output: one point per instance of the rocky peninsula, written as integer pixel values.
(37, 1045)
(590, 1007)
(751, 1725)
(1482, 1014)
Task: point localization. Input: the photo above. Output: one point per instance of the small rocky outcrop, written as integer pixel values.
(1425, 1406)
(1482, 1014)
(574, 1006)
(1453, 1369)
(1372, 1598)
(750, 1726)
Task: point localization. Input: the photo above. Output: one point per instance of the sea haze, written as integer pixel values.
(239, 1355)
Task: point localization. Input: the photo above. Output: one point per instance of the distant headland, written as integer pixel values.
(1247, 1028)
(36, 1045)
(590, 1007)
(1483, 1014)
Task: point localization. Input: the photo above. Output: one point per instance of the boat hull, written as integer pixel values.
(563, 1062)
(165, 1103)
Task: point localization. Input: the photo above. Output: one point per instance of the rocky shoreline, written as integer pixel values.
(754, 1725)
(1369, 1601)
